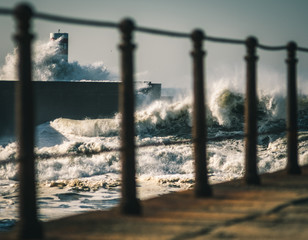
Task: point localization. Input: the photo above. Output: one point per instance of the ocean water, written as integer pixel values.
(78, 166)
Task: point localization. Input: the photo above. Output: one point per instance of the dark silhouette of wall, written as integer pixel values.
(75, 100)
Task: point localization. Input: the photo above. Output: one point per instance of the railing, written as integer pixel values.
(29, 224)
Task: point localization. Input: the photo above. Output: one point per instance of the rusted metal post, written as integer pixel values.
(251, 169)
(292, 142)
(199, 131)
(30, 228)
(129, 203)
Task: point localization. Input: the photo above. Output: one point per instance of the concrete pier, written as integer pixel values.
(277, 209)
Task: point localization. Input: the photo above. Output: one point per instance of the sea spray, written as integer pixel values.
(48, 65)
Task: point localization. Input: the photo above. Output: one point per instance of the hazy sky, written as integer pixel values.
(167, 60)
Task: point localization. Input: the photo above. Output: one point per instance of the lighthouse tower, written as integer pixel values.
(63, 43)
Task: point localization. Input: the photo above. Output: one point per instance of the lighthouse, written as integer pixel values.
(63, 43)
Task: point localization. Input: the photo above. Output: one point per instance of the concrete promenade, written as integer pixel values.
(278, 209)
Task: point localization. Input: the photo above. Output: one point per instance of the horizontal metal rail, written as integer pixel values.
(162, 32)
(224, 40)
(6, 11)
(272, 48)
(302, 49)
(147, 30)
(94, 23)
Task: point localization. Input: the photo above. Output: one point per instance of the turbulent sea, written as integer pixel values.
(78, 165)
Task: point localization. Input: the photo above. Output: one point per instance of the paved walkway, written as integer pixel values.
(278, 209)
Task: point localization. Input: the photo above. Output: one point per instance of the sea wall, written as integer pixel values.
(75, 100)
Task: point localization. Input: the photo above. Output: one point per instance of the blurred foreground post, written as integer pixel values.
(292, 161)
(30, 228)
(251, 169)
(129, 202)
(199, 131)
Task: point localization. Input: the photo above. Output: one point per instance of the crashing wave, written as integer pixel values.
(49, 65)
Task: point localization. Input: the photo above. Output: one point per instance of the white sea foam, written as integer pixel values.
(157, 124)
(87, 127)
(83, 183)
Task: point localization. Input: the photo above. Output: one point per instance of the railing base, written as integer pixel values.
(205, 191)
(294, 170)
(252, 180)
(132, 207)
(33, 231)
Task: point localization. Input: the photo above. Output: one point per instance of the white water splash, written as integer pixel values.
(48, 65)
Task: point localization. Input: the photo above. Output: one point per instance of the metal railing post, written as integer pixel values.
(292, 142)
(30, 228)
(129, 203)
(251, 171)
(199, 130)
